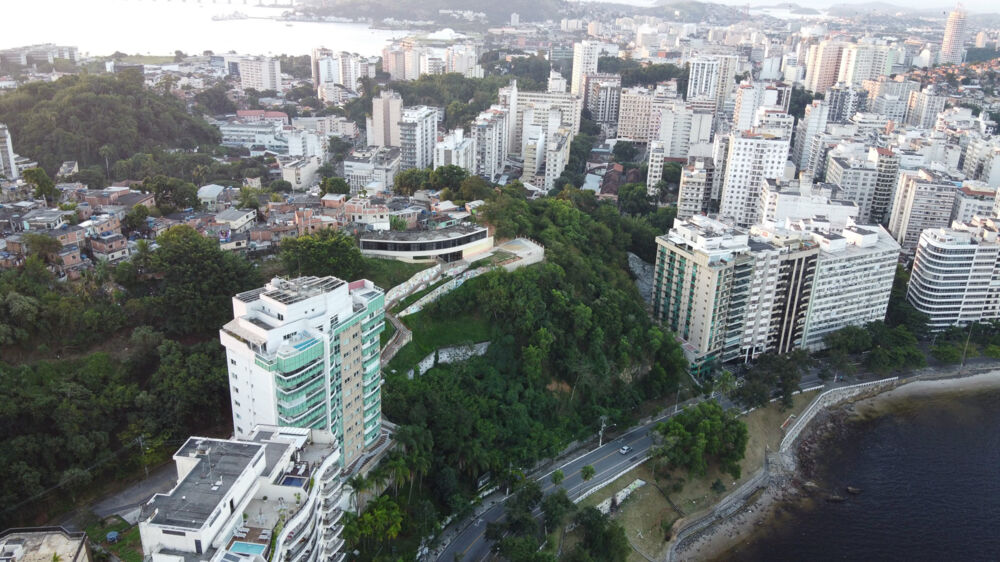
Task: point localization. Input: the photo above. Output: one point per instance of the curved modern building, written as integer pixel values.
(447, 244)
(955, 279)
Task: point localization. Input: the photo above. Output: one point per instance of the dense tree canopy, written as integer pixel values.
(328, 252)
(703, 434)
(73, 117)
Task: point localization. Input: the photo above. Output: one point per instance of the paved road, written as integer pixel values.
(472, 545)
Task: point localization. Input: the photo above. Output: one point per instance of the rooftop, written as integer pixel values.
(219, 464)
(423, 235)
(43, 544)
(290, 291)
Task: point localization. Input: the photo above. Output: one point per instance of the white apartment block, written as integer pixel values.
(751, 97)
(277, 493)
(981, 160)
(305, 353)
(695, 191)
(953, 43)
(801, 199)
(417, 136)
(456, 150)
(681, 127)
(260, 73)
(973, 199)
(922, 108)
(537, 104)
(489, 133)
(585, 55)
(328, 126)
(654, 168)
(852, 283)
(955, 278)
(857, 180)
(7, 157)
(635, 107)
(924, 199)
(557, 83)
(603, 97)
(373, 165)
(812, 124)
(751, 158)
(383, 125)
(865, 61)
(703, 78)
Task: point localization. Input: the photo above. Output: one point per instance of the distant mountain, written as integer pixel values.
(847, 10)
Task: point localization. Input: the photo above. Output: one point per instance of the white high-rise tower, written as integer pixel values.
(954, 35)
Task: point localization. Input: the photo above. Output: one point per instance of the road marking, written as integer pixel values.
(473, 543)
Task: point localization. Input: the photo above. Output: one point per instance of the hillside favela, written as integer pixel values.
(520, 281)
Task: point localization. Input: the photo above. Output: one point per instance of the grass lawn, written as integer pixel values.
(387, 333)
(389, 273)
(429, 335)
(648, 511)
(495, 258)
(129, 546)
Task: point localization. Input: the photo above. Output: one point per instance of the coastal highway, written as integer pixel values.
(471, 544)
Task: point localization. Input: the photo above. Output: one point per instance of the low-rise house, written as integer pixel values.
(109, 247)
(209, 195)
(237, 220)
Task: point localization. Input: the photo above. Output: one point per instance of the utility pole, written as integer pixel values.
(600, 440)
(142, 451)
(972, 326)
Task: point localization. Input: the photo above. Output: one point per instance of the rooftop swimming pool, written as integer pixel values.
(248, 548)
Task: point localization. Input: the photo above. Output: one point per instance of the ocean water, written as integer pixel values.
(929, 469)
(159, 27)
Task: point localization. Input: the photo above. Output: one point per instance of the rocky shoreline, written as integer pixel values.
(792, 484)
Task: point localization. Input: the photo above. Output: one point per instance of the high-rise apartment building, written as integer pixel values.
(731, 295)
(383, 125)
(305, 353)
(654, 166)
(856, 179)
(823, 66)
(8, 168)
(417, 136)
(603, 96)
(752, 157)
(955, 279)
(682, 126)
(973, 199)
(844, 101)
(695, 191)
(536, 104)
(489, 132)
(260, 73)
(585, 55)
(751, 97)
(703, 78)
(923, 200)
(852, 283)
(952, 45)
(923, 107)
(456, 150)
(865, 61)
(813, 123)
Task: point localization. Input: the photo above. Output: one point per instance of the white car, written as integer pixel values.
(625, 450)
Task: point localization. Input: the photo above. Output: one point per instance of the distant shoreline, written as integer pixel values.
(785, 485)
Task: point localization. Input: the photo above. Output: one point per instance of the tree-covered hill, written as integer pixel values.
(96, 119)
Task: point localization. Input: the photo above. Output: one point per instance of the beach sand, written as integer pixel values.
(766, 507)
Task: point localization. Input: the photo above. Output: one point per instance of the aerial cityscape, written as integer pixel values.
(532, 281)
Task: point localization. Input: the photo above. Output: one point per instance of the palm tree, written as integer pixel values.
(359, 484)
(378, 477)
(400, 471)
(420, 465)
(106, 152)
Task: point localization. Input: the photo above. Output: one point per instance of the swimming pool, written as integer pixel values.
(247, 548)
(297, 481)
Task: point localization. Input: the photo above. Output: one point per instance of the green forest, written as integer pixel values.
(98, 119)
